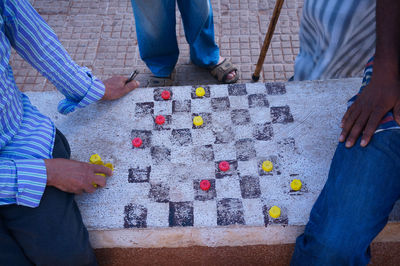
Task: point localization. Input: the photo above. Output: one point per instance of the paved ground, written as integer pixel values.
(100, 34)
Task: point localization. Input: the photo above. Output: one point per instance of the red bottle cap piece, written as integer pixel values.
(137, 142)
(165, 95)
(160, 119)
(205, 185)
(224, 166)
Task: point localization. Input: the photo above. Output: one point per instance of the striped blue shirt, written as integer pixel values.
(27, 136)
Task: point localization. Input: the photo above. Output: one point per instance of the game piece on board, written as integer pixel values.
(205, 185)
(295, 184)
(267, 166)
(224, 166)
(95, 159)
(198, 121)
(165, 95)
(137, 142)
(160, 119)
(109, 165)
(275, 212)
(200, 92)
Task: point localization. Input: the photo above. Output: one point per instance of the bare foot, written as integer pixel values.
(231, 74)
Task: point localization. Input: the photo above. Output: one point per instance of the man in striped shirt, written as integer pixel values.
(39, 220)
(364, 179)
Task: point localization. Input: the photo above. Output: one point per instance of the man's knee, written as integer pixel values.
(329, 249)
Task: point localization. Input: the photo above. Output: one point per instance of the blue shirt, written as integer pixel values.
(27, 136)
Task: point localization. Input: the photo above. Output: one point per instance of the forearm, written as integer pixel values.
(387, 54)
(37, 43)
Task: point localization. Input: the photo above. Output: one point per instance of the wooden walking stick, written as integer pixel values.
(267, 40)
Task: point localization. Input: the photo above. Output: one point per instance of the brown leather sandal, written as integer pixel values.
(221, 71)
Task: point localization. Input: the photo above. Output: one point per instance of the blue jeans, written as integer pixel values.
(354, 205)
(155, 27)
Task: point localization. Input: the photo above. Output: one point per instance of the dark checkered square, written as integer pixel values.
(181, 137)
(159, 192)
(238, 89)
(206, 89)
(139, 175)
(258, 100)
(250, 187)
(181, 106)
(281, 114)
(135, 216)
(145, 135)
(143, 109)
(181, 214)
(160, 154)
(230, 211)
(157, 94)
(240, 117)
(202, 195)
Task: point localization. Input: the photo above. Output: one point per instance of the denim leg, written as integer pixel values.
(197, 17)
(156, 34)
(354, 205)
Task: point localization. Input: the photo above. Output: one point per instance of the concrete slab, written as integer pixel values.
(162, 208)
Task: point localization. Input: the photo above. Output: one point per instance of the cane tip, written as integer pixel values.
(255, 78)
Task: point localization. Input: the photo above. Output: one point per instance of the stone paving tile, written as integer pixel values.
(101, 35)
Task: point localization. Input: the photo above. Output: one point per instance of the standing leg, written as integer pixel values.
(197, 17)
(198, 23)
(53, 233)
(354, 205)
(156, 34)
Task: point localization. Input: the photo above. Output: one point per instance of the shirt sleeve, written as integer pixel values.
(36, 42)
(22, 182)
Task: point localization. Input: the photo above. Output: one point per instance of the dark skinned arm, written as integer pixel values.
(382, 94)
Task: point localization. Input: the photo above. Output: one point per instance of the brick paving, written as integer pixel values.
(101, 35)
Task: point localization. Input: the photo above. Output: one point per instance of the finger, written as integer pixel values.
(348, 121)
(396, 113)
(101, 169)
(357, 128)
(347, 114)
(370, 128)
(99, 180)
(130, 86)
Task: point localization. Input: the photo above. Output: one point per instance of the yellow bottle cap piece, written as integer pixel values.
(101, 174)
(267, 166)
(94, 184)
(295, 184)
(275, 212)
(200, 92)
(95, 159)
(109, 165)
(197, 121)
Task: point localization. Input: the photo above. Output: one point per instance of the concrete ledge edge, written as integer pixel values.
(211, 237)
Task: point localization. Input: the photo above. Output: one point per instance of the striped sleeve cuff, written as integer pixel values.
(95, 92)
(31, 181)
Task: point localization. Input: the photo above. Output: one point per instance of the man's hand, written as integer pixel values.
(365, 114)
(116, 87)
(75, 177)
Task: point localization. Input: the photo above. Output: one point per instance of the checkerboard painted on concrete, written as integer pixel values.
(239, 127)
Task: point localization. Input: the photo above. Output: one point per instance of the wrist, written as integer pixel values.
(47, 163)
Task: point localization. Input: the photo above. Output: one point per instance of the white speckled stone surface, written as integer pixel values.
(105, 128)
(167, 199)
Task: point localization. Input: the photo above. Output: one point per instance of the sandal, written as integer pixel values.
(221, 71)
(154, 81)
